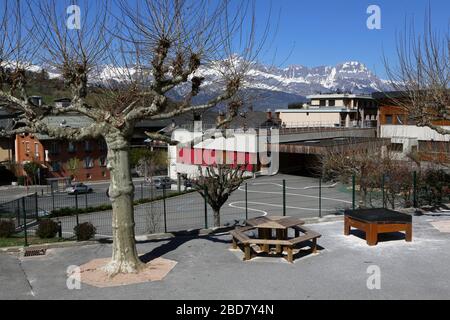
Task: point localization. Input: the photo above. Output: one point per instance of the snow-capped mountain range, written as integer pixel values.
(271, 87)
(277, 87)
(350, 76)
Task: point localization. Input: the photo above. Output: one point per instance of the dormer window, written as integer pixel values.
(72, 147)
(87, 146)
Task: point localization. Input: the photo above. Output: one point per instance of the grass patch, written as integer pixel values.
(19, 240)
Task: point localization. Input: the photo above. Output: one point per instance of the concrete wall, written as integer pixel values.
(411, 131)
(7, 149)
(312, 118)
(239, 142)
(338, 102)
(409, 136)
(318, 133)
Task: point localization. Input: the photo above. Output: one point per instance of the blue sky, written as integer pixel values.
(327, 32)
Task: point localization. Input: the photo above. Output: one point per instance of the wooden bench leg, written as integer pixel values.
(279, 237)
(234, 243)
(347, 226)
(289, 254)
(264, 234)
(247, 254)
(408, 234)
(372, 234)
(314, 245)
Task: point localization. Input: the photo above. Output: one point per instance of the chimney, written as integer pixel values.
(198, 124)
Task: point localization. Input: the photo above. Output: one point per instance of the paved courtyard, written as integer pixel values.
(207, 269)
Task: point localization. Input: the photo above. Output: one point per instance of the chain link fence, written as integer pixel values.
(162, 211)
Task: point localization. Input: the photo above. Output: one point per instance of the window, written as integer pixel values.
(55, 166)
(36, 150)
(72, 147)
(398, 147)
(102, 145)
(102, 161)
(87, 146)
(388, 119)
(322, 103)
(331, 103)
(88, 162)
(54, 147)
(27, 147)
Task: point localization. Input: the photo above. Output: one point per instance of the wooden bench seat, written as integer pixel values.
(307, 235)
(270, 241)
(241, 236)
(238, 235)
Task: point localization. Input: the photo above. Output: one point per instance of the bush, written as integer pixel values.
(47, 229)
(7, 228)
(85, 231)
(21, 180)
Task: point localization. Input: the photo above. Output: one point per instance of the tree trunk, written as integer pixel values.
(124, 256)
(216, 218)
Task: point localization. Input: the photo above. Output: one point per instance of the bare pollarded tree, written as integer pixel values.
(216, 184)
(141, 52)
(422, 74)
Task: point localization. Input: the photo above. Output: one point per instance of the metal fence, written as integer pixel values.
(168, 211)
(430, 189)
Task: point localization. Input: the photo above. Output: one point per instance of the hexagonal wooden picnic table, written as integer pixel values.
(265, 225)
(280, 224)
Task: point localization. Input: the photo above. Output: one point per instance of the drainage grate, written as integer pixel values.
(35, 252)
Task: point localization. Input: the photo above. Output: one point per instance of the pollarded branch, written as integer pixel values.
(95, 130)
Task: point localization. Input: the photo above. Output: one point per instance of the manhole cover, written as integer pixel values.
(35, 252)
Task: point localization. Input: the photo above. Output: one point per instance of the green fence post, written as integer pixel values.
(382, 191)
(415, 189)
(142, 190)
(76, 216)
(53, 196)
(36, 205)
(25, 221)
(353, 191)
(86, 200)
(18, 212)
(165, 213)
(246, 203)
(320, 197)
(284, 197)
(206, 207)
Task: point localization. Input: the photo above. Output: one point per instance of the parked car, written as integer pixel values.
(43, 213)
(78, 189)
(162, 183)
(187, 183)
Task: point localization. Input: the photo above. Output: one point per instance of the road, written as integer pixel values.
(48, 201)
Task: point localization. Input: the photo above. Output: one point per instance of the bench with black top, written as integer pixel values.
(377, 220)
